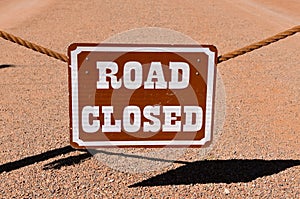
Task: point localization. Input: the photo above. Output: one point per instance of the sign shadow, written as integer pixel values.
(218, 171)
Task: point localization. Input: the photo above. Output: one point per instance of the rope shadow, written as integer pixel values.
(137, 156)
(76, 159)
(7, 167)
(218, 171)
(6, 66)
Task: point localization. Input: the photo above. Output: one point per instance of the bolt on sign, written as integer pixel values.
(141, 95)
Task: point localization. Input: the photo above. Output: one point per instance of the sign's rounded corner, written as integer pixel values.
(75, 145)
(72, 47)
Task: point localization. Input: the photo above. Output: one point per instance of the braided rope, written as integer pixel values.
(33, 46)
(259, 44)
(221, 58)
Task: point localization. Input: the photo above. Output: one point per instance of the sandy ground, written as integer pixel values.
(258, 155)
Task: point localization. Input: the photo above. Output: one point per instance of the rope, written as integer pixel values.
(221, 58)
(33, 46)
(259, 44)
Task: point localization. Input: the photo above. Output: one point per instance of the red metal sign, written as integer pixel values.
(141, 95)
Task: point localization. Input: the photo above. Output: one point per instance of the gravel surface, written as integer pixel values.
(258, 154)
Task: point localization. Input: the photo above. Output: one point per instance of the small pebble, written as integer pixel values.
(226, 191)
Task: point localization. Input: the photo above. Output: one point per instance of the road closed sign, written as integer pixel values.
(141, 95)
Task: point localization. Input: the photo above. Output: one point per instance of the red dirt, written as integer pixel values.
(258, 154)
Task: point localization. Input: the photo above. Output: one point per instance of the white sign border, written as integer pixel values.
(74, 86)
